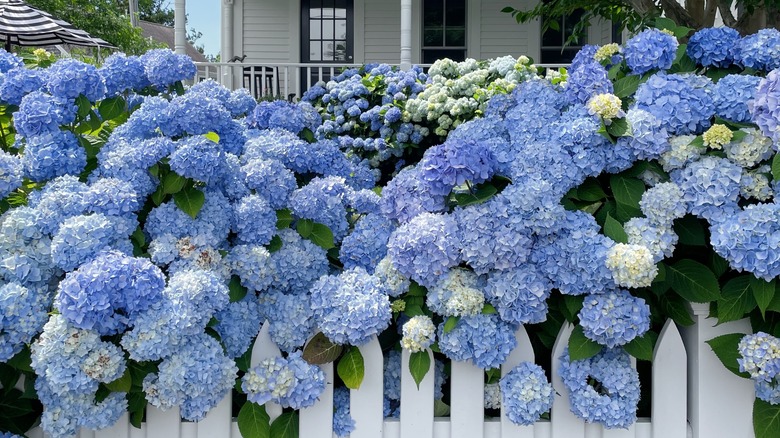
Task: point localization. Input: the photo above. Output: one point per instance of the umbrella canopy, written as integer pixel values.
(23, 25)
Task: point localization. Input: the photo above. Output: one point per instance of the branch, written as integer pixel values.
(643, 7)
(724, 6)
(710, 9)
(676, 12)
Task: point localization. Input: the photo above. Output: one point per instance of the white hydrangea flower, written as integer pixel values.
(606, 105)
(418, 333)
(753, 148)
(457, 294)
(681, 153)
(492, 396)
(755, 184)
(631, 265)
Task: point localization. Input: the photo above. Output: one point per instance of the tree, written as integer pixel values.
(750, 16)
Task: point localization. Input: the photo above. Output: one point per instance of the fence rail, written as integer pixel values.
(674, 399)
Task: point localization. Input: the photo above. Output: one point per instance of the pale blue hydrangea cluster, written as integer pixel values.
(291, 382)
(456, 293)
(53, 154)
(69, 78)
(426, 247)
(343, 423)
(485, 340)
(520, 294)
(764, 109)
(760, 51)
(663, 203)
(366, 245)
(163, 67)
(285, 115)
(18, 82)
(407, 195)
(746, 238)
(585, 80)
(419, 332)
(23, 312)
(238, 324)
(752, 149)
(614, 318)
(681, 101)
(123, 73)
(659, 239)
(760, 357)
(9, 60)
(602, 389)
(713, 46)
(10, 173)
(731, 95)
(351, 307)
(649, 50)
(454, 163)
(525, 393)
(291, 317)
(710, 187)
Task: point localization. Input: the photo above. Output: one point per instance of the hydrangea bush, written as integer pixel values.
(148, 230)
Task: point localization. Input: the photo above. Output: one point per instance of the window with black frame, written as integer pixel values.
(444, 30)
(555, 49)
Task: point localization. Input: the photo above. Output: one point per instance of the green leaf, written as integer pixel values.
(419, 364)
(580, 347)
(304, 227)
(694, 281)
(493, 375)
(84, 106)
(488, 309)
(718, 264)
(283, 219)
(275, 244)
(776, 167)
(440, 409)
(173, 183)
(698, 142)
(12, 405)
(737, 299)
(614, 230)
(237, 291)
(213, 136)
(320, 350)
(508, 10)
(322, 236)
(481, 193)
(726, 348)
(665, 23)
(351, 368)
(627, 191)
(590, 191)
(190, 201)
(253, 421)
(136, 404)
(642, 348)
(122, 384)
(21, 360)
(450, 323)
(766, 419)
(738, 136)
(415, 290)
(690, 231)
(619, 128)
(763, 291)
(572, 304)
(626, 86)
(111, 108)
(286, 426)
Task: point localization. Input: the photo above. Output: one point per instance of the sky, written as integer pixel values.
(206, 17)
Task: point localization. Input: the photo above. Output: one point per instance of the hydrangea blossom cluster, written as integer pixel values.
(525, 393)
(651, 49)
(713, 46)
(760, 357)
(614, 318)
(746, 239)
(291, 382)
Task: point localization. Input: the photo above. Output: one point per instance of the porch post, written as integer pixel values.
(406, 34)
(180, 27)
(226, 51)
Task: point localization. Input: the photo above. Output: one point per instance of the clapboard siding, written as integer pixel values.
(501, 35)
(382, 31)
(268, 33)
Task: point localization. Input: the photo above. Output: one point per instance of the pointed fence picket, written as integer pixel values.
(672, 403)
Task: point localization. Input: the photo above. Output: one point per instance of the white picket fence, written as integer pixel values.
(693, 395)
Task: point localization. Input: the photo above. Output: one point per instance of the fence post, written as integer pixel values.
(564, 423)
(416, 403)
(670, 381)
(467, 400)
(719, 403)
(366, 402)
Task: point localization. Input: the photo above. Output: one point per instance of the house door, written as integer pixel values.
(326, 36)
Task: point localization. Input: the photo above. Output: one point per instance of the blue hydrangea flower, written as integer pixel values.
(9, 61)
(366, 245)
(298, 264)
(710, 187)
(23, 312)
(10, 173)
(40, 113)
(121, 73)
(69, 78)
(270, 179)
(112, 197)
(650, 49)
(612, 401)
(614, 318)
(145, 121)
(343, 423)
(519, 294)
(760, 51)
(106, 293)
(163, 67)
(682, 102)
(52, 154)
(659, 239)
(525, 393)
(198, 158)
(255, 220)
(18, 82)
(80, 238)
(240, 103)
(649, 138)
(291, 317)
(239, 323)
(61, 198)
(760, 356)
(485, 340)
(291, 382)
(663, 203)
(407, 195)
(252, 264)
(323, 200)
(731, 95)
(586, 81)
(309, 383)
(351, 307)
(453, 163)
(286, 115)
(212, 224)
(426, 247)
(196, 113)
(713, 46)
(747, 239)
(765, 109)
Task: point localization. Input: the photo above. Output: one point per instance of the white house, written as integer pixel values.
(330, 33)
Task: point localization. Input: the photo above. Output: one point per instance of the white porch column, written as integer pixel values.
(406, 34)
(180, 27)
(226, 50)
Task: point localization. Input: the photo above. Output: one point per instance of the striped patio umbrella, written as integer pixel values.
(23, 25)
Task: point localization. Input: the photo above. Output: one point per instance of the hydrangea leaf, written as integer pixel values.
(614, 230)
(690, 231)
(726, 348)
(642, 347)
(618, 128)
(275, 244)
(283, 218)
(320, 350)
(580, 347)
(664, 23)
(112, 108)
(450, 324)
(628, 192)
(480, 194)
(694, 281)
(488, 309)
(766, 419)
(676, 308)
(322, 236)
(253, 421)
(286, 426)
(84, 106)
(237, 291)
(351, 368)
(419, 364)
(737, 299)
(304, 227)
(12, 405)
(776, 167)
(173, 183)
(440, 409)
(213, 136)
(572, 304)
(190, 201)
(21, 360)
(763, 292)
(122, 384)
(626, 86)
(590, 191)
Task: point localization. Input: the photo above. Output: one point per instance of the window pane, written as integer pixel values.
(340, 53)
(328, 3)
(341, 4)
(552, 37)
(314, 30)
(455, 13)
(315, 51)
(327, 50)
(433, 37)
(455, 37)
(327, 29)
(340, 13)
(556, 56)
(315, 4)
(433, 13)
(432, 55)
(315, 13)
(341, 29)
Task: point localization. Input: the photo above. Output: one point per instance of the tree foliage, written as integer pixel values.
(750, 16)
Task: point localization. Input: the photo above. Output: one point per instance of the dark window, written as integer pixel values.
(554, 48)
(326, 31)
(444, 30)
